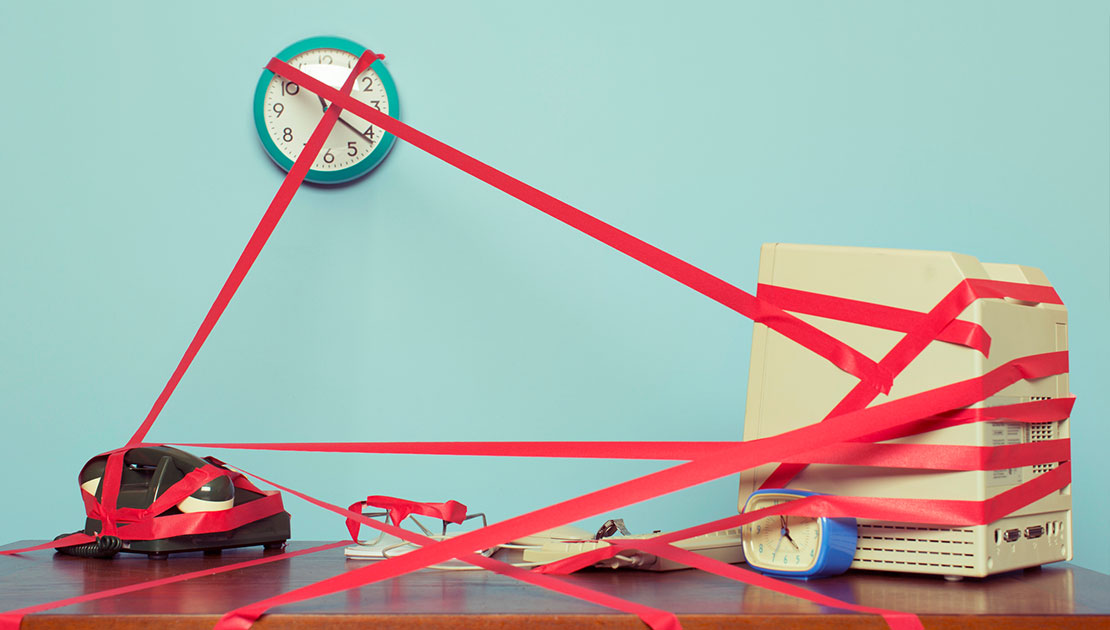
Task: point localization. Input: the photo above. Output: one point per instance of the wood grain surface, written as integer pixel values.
(1055, 596)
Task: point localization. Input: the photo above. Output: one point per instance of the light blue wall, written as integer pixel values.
(420, 304)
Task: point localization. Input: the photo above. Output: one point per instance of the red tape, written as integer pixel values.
(11, 620)
(913, 343)
(725, 462)
(849, 421)
(840, 354)
(923, 511)
(874, 315)
(72, 539)
(655, 618)
(896, 620)
(399, 509)
(254, 246)
(923, 456)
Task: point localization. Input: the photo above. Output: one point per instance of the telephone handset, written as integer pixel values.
(149, 471)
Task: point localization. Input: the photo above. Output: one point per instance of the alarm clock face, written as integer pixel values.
(782, 542)
(796, 546)
(286, 113)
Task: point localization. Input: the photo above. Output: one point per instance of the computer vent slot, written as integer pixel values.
(892, 546)
(1039, 432)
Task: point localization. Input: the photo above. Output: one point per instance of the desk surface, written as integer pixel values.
(1055, 596)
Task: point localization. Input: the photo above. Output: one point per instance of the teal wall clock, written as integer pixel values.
(285, 113)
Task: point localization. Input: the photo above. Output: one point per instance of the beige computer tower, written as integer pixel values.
(790, 387)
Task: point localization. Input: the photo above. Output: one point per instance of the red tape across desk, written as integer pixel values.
(727, 461)
(655, 618)
(10, 620)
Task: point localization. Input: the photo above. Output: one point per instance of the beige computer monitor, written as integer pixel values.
(790, 387)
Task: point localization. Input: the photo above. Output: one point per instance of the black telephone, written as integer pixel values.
(147, 473)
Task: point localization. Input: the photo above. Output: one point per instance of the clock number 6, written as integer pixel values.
(328, 157)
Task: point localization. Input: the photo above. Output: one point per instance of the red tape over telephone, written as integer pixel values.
(160, 500)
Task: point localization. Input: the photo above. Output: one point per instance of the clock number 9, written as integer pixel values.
(279, 108)
(289, 88)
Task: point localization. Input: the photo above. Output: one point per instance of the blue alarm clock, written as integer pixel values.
(285, 114)
(800, 547)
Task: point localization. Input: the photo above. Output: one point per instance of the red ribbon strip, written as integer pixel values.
(1034, 411)
(602, 450)
(173, 495)
(840, 354)
(861, 453)
(72, 539)
(10, 620)
(280, 202)
(937, 456)
(874, 315)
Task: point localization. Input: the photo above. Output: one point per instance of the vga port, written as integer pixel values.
(1011, 535)
(1036, 531)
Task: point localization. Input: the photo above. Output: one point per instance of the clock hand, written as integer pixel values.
(785, 533)
(354, 129)
(324, 107)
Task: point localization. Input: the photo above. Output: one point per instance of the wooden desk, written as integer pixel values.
(1056, 596)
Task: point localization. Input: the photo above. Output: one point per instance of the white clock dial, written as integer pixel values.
(785, 543)
(291, 112)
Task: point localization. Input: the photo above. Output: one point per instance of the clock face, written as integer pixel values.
(799, 547)
(783, 543)
(286, 113)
